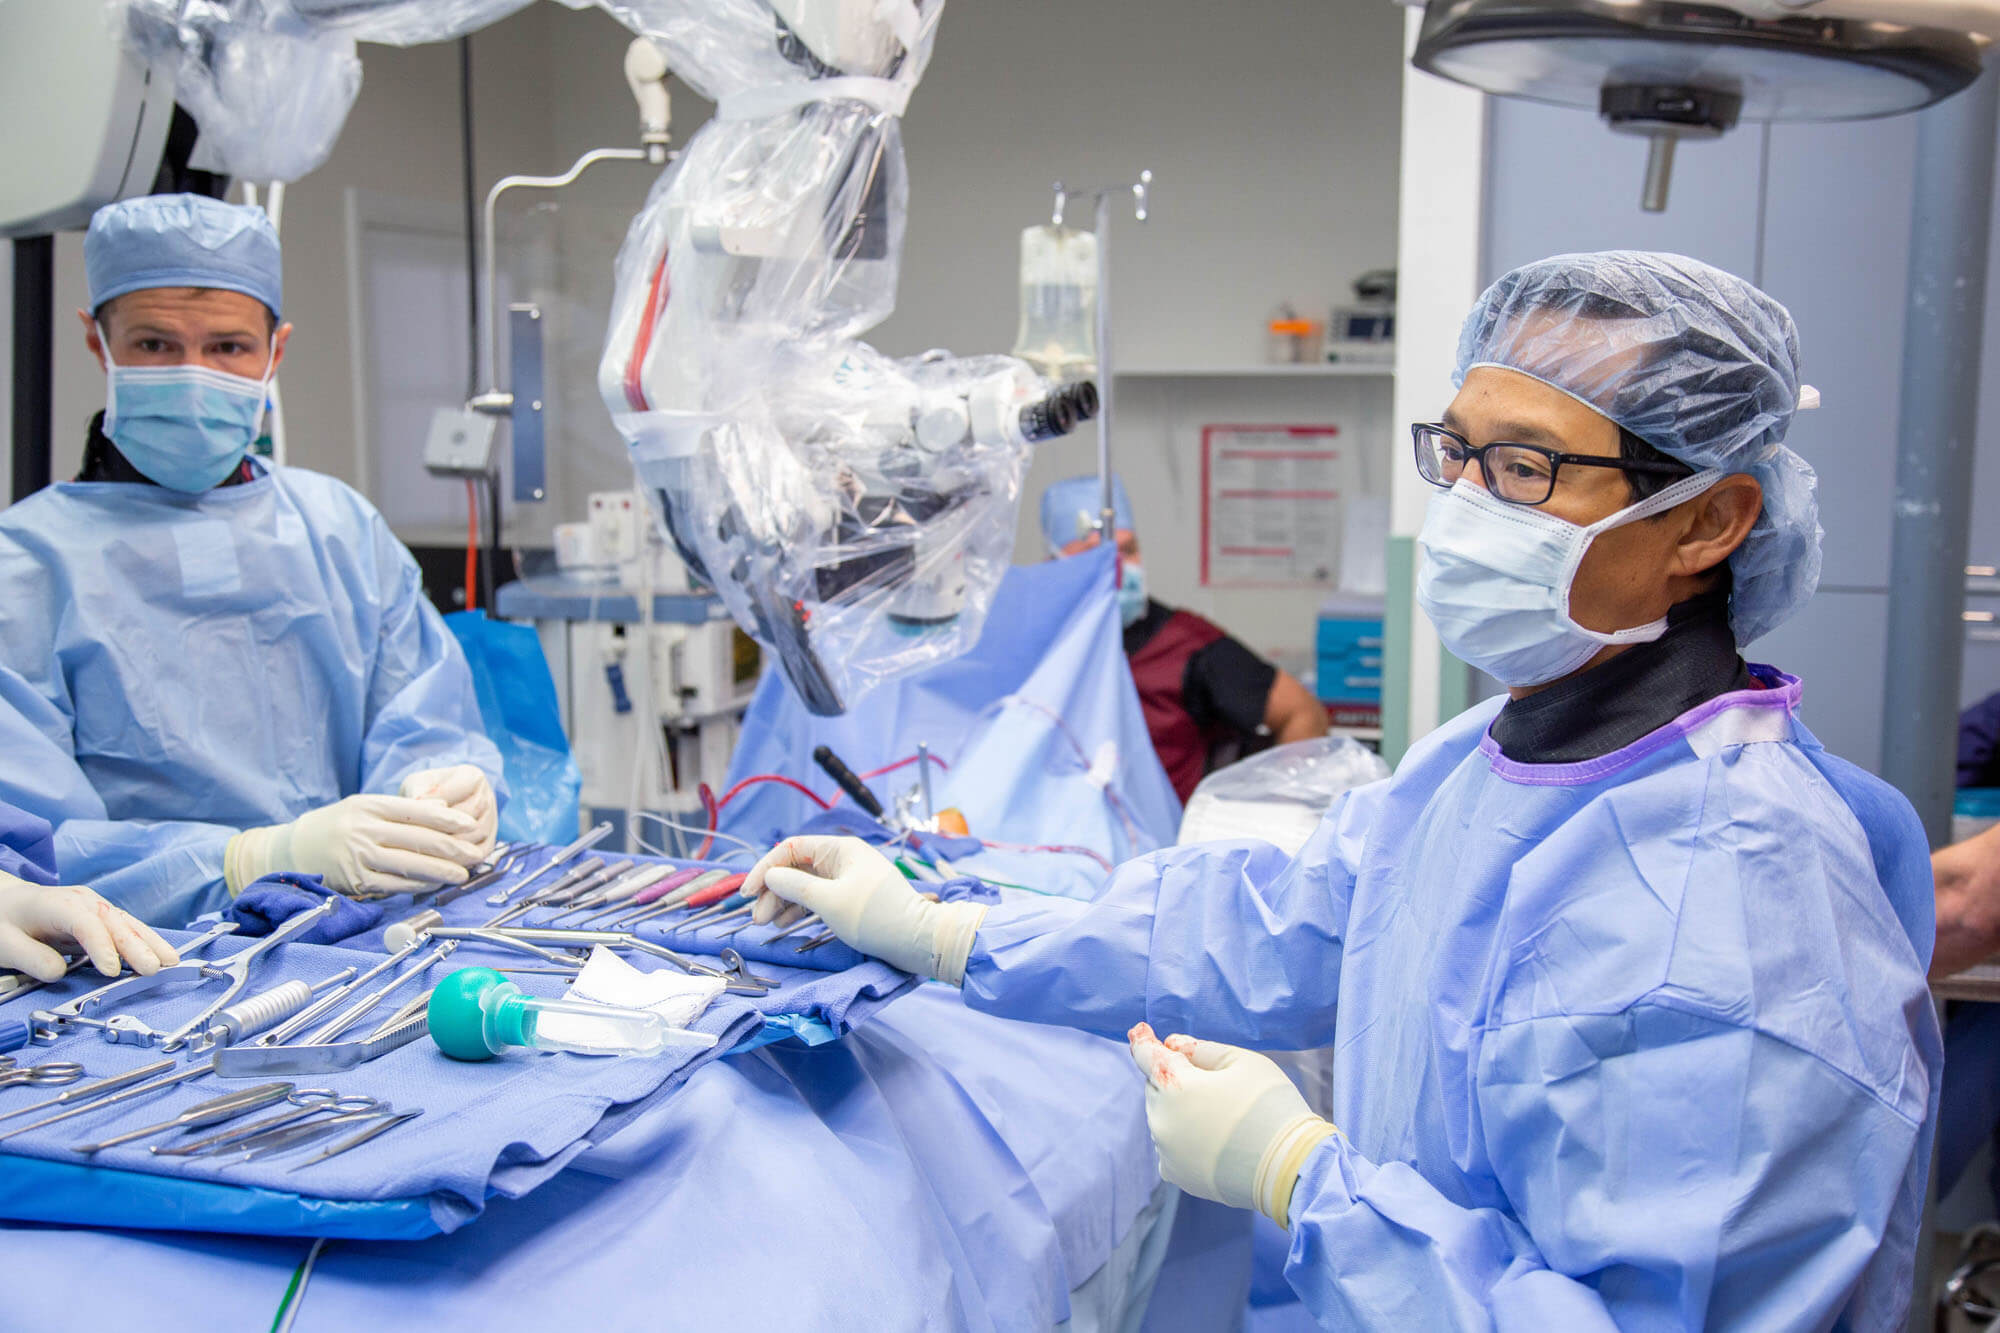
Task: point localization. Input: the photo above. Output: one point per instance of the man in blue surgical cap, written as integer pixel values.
(214, 669)
(1624, 974)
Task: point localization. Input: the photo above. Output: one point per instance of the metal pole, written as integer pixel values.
(34, 362)
(1936, 426)
(1106, 510)
(1934, 447)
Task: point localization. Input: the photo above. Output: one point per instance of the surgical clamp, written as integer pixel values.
(237, 969)
(47, 1024)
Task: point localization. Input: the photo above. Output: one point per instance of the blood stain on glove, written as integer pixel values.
(1161, 1074)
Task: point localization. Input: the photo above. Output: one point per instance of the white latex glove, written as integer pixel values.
(35, 916)
(362, 845)
(1227, 1123)
(867, 903)
(466, 790)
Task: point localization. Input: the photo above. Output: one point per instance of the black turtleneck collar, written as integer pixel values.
(103, 462)
(1639, 691)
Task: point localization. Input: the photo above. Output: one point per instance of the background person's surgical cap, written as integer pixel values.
(182, 240)
(1695, 362)
(1070, 509)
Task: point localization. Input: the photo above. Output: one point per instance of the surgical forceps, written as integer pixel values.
(278, 1035)
(305, 1103)
(54, 1074)
(280, 1141)
(353, 1014)
(387, 1123)
(590, 839)
(211, 1112)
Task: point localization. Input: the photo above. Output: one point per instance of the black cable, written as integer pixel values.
(471, 212)
(490, 559)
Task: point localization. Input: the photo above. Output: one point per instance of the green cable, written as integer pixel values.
(291, 1290)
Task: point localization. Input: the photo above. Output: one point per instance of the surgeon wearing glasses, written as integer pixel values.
(1624, 974)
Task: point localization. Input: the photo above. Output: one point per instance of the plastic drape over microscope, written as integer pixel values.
(855, 512)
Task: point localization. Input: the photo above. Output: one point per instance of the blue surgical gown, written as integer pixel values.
(27, 846)
(175, 668)
(1638, 1043)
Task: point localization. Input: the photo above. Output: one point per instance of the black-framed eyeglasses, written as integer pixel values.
(1522, 474)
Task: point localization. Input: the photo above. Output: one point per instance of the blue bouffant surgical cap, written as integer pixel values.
(1694, 361)
(182, 240)
(1070, 509)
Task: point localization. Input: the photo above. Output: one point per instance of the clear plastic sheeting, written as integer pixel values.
(854, 512)
(405, 22)
(1281, 794)
(268, 90)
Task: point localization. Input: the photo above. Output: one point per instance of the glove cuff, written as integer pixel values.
(253, 854)
(952, 932)
(1278, 1171)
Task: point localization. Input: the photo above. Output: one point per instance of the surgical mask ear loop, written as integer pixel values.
(110, 376)
(1687, 488)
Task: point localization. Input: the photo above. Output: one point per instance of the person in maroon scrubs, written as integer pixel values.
(1207, 698)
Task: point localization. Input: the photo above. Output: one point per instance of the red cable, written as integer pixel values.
(471, 547)
(753, 780)
(903, 763)
(642, 341)
(714, 812)
(1075, 851)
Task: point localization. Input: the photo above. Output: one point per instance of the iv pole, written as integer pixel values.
(1140, 191)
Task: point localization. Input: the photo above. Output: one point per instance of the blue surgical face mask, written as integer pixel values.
(1131, 593)
(185, 427)
(1495, 581)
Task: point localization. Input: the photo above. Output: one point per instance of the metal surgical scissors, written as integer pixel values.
(53, 1074)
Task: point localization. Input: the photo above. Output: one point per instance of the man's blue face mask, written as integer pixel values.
(185, 427)
(1131, 592)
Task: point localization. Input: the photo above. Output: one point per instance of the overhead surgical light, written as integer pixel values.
(1671, 71)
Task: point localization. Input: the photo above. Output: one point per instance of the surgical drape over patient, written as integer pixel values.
(1694, 361)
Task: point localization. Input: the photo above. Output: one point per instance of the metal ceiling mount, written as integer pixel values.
(1672, 71)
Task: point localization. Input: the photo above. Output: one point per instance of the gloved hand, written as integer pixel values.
(34, 916)
(866, 902)
(362, 845)
(466, 790)
(1228, 1124)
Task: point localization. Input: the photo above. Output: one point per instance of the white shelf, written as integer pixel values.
(1316, 370)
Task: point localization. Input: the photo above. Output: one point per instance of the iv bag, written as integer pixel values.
(1058, 302)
